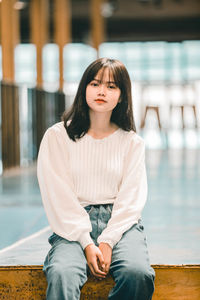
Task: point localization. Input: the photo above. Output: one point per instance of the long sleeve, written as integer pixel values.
(132, 194)
(66, 216)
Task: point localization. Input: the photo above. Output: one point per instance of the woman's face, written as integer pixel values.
(102, 94)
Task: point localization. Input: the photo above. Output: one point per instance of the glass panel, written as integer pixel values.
(50, 58)
(76, 59)
(25, 64)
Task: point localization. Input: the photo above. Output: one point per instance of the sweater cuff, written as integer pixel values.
(111, 243)
(85, 240)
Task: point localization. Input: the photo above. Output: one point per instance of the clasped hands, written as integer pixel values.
(99, 259)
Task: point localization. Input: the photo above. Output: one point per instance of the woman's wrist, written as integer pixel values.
(85, 240)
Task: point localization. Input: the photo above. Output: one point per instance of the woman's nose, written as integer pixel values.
(102, 90)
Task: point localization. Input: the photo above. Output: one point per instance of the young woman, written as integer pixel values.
(92, 177)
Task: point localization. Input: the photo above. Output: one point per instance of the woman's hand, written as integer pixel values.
(107, 255)
(95, 260)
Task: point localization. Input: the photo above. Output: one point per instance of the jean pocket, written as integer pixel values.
(139, 226)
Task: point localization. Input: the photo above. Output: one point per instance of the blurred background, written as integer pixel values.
(45, 45)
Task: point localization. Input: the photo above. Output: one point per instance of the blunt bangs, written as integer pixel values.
(116, 71)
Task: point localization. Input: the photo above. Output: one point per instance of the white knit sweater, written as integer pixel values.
(73, 175)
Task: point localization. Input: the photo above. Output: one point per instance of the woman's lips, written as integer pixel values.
(100, 101)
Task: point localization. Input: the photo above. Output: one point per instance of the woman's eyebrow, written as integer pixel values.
(98, 80)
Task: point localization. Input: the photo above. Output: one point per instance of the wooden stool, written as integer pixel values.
(147, 108)
(183, 96)
(182, 108)
(153, 98)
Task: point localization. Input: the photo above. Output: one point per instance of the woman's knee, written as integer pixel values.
(55, 271)
(133, 281)
(58, 273)
(137, 272)
(64, 283)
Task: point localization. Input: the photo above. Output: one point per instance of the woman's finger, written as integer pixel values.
(101, 260)
(96, 271)
(91, 269)
(107, 267)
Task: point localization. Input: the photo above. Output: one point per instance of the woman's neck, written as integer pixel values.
(100, 125)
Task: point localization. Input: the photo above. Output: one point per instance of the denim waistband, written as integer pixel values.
(99, 205)
(99, 216)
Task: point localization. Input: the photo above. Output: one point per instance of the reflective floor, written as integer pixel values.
(21, 211)
(171, 216)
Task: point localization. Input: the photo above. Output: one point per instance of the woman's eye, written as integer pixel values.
(94, 84)
(111, 86)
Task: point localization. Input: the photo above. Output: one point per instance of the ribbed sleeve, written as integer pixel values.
(66, 216)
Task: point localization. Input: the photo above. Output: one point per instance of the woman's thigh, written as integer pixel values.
(131, 251)
(130, 267)
(65, 257)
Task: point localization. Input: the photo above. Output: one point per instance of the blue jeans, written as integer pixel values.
(66, 267)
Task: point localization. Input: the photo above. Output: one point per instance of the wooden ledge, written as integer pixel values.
(180, 282)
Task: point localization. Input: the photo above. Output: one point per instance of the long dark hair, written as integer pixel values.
(122, 114)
